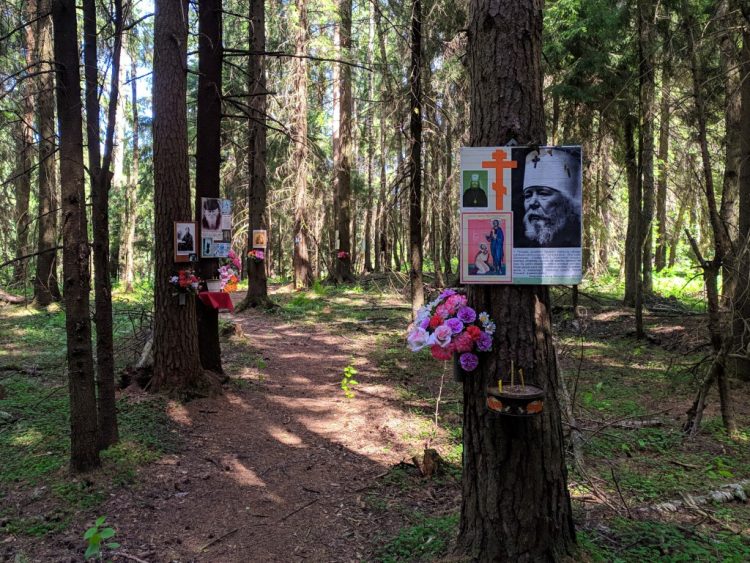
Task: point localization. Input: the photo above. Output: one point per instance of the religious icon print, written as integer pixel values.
(486, 247)
(474, 192)
(260, 238)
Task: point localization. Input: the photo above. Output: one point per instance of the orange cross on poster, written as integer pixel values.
(499, 164)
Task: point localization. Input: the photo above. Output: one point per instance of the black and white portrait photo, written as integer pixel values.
(184, 240)
(546, 195)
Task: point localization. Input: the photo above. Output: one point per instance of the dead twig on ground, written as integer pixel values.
(217, 540)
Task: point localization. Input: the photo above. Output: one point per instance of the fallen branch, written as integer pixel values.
(10, 298)
(293, 512)
(217, 540)
(727, 493)
(131, 557)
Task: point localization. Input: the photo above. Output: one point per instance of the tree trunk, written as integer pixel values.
(660, 255)
(632, 248)
(515, 502)
(303, 276)
(741, 319)
(131, 190)
(370, 147)
(26, 141)
(647, 47)
(447, 203)
(257, 285)
(729, 60)
(46, 289)
(415, 161)
(177, 366)
(722, 244)
(342, 141)
(208, 163)
(84, 451)
(101, 179)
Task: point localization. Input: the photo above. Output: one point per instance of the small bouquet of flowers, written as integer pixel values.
(184, 282)
(256, 255)
(449, 326)
(342, 255)
(229, 273)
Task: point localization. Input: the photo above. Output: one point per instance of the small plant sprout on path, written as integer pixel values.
(94, 537)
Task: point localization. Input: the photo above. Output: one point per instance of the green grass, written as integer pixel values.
(636, 541)
(425, 539)
(34, 431)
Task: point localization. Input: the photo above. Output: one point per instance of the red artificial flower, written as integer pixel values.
(440, 353)
(436, 321)
(463, 342)
(474, 331)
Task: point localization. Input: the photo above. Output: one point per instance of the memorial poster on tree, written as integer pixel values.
(521, 220)
(216, 227)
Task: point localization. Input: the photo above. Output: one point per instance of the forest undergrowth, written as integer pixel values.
(629, 401)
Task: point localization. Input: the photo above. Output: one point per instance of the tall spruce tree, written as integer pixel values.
(515, 504)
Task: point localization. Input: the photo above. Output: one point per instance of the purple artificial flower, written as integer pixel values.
(425, 323)
(466, 315)
(469, 361)
(455, 325)
(446, 293)
(484, 344)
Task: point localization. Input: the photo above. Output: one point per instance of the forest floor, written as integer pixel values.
(307, 456)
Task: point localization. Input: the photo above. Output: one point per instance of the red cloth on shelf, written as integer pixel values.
(217, 299)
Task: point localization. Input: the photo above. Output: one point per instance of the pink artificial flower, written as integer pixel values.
(443, 335)
(463, 342)
(443, 310)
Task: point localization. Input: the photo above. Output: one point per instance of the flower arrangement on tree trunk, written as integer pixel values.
(342, 255)
(229, 273)
(185, 281)
(449, 326)
(256, 255)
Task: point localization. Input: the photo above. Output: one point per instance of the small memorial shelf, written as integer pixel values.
(515, 397)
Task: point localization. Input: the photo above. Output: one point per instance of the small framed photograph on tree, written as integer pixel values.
(184, 240)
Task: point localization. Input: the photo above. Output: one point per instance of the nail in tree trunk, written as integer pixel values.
(257, 286)
(84, 451)
(415, 161)
(515, 503)
(177, 366)
(303, 276)
(46, 289)
(208, 163)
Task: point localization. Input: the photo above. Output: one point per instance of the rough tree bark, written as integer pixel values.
(741, 317)
(415, 161)
(101, 181)
(177, 366)
(515, 502)
(721, 249)
(130, 213)
(208, 163)
(342, 141)
(25, 139)
(662, 239)
(46, 288)
(647, 76)
(447, 204)
(257, 286)
(303, 276)
(84, 451)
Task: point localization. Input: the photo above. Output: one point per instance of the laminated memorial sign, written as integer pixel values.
(520, 215)
(216, 227)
